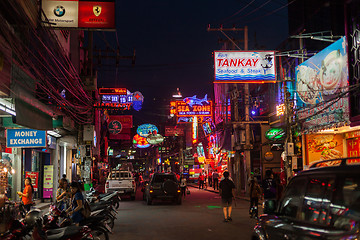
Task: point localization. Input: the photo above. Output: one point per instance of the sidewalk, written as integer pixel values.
(243, 196)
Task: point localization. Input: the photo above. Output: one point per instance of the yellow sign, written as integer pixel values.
(280, 109)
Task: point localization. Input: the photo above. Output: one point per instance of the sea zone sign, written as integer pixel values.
(25, 138)
(244, 67)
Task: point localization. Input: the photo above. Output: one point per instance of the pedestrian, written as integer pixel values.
(62, 194)
(77, 203)
(255, 195)
(269, 186)
(183, 186)
(27, 194)
(227, 193)
(215, 179)
(210, 178)
(201, 181)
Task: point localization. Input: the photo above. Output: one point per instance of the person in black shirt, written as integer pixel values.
(269, 186)
(227, 192)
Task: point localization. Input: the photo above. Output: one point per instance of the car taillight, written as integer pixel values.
(151, 190)
(107, 185)
(133, 183)
(179, 190)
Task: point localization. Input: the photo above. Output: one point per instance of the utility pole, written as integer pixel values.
(241, 173)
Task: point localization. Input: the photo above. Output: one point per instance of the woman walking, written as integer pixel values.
(255, 194)
(27, 194)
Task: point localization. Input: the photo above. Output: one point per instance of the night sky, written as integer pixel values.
(174, 48)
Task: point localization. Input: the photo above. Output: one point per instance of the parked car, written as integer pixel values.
(320, 203)
(162, 186)
(121, 181)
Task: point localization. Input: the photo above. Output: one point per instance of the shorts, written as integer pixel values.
(226, 202)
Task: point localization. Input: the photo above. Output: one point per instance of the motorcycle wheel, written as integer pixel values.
(99, 233)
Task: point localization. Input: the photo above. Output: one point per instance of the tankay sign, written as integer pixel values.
(244, 67)
(25, 138)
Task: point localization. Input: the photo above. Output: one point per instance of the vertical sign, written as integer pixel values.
(34, 176)
(48, 181)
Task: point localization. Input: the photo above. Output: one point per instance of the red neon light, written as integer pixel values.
(113, 91)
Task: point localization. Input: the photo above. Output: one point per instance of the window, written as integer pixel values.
(292, 199)
(163, 178)
(345, 207)
(317, 200)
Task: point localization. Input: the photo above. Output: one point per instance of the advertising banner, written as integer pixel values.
(62, 14)
(34, 176)
(353, 149)
(244, 66)
(25, 138)
(96, 14)
(48, 181)
(173, 131)
(323, 147)
(79, 14)
(321, 87)
(119, 127)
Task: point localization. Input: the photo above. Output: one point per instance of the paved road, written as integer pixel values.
(199, 217)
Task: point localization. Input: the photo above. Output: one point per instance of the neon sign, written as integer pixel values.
(119, 98)
(280, 109)
(140, 142)
(194, 130)
(145, 130)
(275, 133)
(185, 110)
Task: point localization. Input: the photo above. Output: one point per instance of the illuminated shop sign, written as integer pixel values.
(321, 87)
(194, 130)
(145, 130)
(119, 98)
(199, 119)
(275, 133)
(280, 109)
(25, 138)
(96, 14)
(208, 127)
(140, 142)
(113, 91)
(192, 108)
(79, 14)
(244, 66)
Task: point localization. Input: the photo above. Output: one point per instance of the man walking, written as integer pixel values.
(215, 177)
(227, 193)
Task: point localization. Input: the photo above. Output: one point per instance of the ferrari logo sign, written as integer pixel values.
(97, 10)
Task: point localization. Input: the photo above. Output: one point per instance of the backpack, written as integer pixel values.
(86, 211)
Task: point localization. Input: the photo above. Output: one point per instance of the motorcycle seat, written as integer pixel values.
(62, 233)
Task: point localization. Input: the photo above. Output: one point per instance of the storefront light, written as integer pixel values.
(5, 169)
(12, 171)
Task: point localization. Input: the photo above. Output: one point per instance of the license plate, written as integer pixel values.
(121, 191)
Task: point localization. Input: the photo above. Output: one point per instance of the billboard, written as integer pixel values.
(244, 67)
(119, 127)
(321, 88)
(80, 14)
(323, 147)
(119, 98)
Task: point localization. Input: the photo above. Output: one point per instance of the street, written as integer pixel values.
(199, 217)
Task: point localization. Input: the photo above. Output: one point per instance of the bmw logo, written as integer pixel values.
(59, 11)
